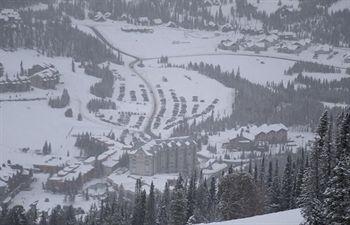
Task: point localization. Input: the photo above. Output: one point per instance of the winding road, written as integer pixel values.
(147, 129)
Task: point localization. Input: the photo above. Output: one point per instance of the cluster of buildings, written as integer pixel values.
(173, 155)
(9, 16)
(68, 177)
(43, 77)
(13, 178)
(285, 42)
(258, 138)
(47, 78)
(50, 164)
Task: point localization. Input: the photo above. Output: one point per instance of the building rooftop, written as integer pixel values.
(164, 144)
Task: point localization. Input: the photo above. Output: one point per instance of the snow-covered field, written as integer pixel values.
(31, 123)
(255, 69)
(163, 41)
(290, 217)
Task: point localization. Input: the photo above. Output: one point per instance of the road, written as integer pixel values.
(238, 54)
(147, 129)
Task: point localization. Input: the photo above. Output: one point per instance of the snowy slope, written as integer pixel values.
(290, 217)
(339, 5)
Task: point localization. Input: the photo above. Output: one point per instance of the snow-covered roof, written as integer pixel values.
(289, 46)
(324, 48)
(72, 172)
(211, 24)
(103, 156)
(157, 21)
(227, 43)
(143, 19)
(53, 161)
(89, 160)
(7, 14)
(111, 161)
(252, 131)
(99, 17)
(213, 166)
(48, 72)
(161, 144)
(269, 38)
(6, 172)
(171, 24)
(265, 128)
(255, 44)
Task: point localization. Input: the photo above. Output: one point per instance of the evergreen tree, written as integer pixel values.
(163, 212)
(212, 199)
(138, 217)
(16, 216)
(337, 195)
(202, 203)
(191, 197)
(287, 186)
(312, 197)
(151, 207)
(275, 193)
(43, 219)
(238, 196)
(178, 205)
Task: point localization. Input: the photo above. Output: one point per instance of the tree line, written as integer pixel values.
(60, 102)
(90, 145)
(311, 67)
(51, 33)
(273, 103)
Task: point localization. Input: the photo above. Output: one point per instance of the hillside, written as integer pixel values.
(289, 217)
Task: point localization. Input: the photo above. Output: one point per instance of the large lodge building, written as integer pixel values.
(43, 77)
(258, 138)
(173, 155)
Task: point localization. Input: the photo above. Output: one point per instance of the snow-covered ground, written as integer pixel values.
(31, 123)
(290, 217)
(339, 5)
(128, 180)
(163, 41)
(46, 200)
(255, 69)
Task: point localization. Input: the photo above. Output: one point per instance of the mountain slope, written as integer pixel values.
(289, 217)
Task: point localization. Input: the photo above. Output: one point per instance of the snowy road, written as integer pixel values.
(147, 128)
(240, 54)
(155, 104)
